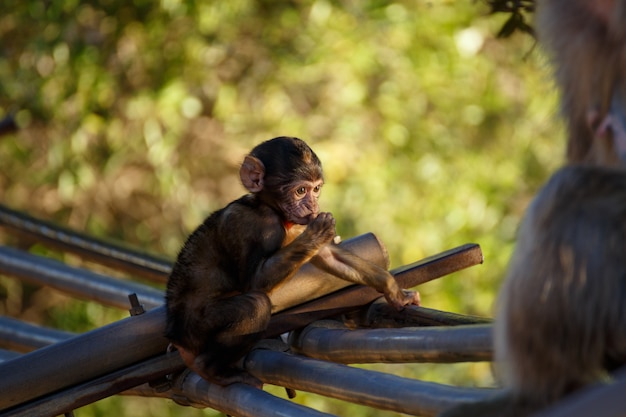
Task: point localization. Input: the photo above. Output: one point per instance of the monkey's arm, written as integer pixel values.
(345, 265)
(275, 266)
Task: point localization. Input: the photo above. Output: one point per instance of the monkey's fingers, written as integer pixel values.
(405, 298)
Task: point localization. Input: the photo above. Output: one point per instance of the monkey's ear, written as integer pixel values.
(252, 172)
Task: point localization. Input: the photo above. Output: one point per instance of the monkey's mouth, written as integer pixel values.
(303, 219)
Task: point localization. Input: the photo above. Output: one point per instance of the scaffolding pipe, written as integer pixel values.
(140, 337)
(309, 282)
(359, 386)
(76, 281)
(24, 337)
(114, 255)
(86, 393)
(82, 358)
(381, 315)
(238, 399)
(356, 296)
(330, 341)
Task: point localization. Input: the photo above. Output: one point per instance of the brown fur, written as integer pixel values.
(561, 320)
(586, 40)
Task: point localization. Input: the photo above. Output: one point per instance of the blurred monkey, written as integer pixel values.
(586, 40)
(561, 312)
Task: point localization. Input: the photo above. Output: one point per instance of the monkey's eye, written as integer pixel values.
(317, 189)
(301, 191)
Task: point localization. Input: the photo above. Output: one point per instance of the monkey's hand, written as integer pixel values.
(401, 298)
(321, 230)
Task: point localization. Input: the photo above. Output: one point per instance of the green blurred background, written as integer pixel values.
(133, 117)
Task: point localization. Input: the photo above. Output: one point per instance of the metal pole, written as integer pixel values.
(309, 283)
(353, 297)
(332, 342)
(360, 386)
(111, 254)
(76, 281)
(17, 335)
(82, 358)
(380, 314)
(239, 399)
(137, 338)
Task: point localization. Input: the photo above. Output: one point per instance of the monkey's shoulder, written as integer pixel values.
(243, 225)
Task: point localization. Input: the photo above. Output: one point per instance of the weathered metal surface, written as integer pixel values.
(239, 399)
(98, 388)
(410, 344)
(97, 250)
(24, 337)
(134, 339)
(76, 281)
(81, 358)
(360, 386)
(380, 315)
(310, 282)
(356, 296)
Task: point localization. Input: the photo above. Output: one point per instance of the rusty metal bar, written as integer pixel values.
(360, 386)
(54, 367)
(98, 388)
(76, 281)
(311, 283)
(381, 315)
(239, 399)
(330, 341)
(111, 254)
(23, 337)
(138, 338)
(353, 297)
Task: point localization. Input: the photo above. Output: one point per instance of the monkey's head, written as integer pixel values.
(587, 42)
(285, 174)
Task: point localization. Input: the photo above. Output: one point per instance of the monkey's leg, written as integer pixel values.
(238, 324)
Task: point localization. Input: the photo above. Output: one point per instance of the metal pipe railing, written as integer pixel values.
(329, 341)
(76, 281)
(21, 336)
(353, 297)
(360, 386)
(114, 255)
(309, 283)
(129, 341)
(380, 315)
(82, 357)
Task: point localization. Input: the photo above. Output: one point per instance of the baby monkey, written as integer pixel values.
(217, 293)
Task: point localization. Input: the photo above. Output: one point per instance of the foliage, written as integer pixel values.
(133, 118)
